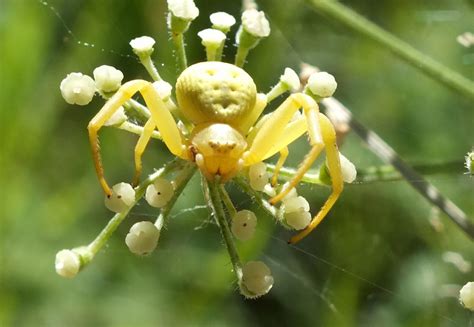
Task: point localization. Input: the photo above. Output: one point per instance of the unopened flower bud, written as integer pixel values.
(299, 219)
(211, 38)
(77, 88)
(258, 176)
(255, 23)
(257, 279)
(107, 78)
(142, 46)
(67, 263)
(295, 204)
(243, 225)
(349, 172)
(117, 118)
(122, 198)
(164, 89)
(292, 194)
(181, 14)
(290, 80)
(222, 21)
(142, 238)
(322, 84)
(159, 193)
(184, 9)
(466, 296)
(470, 162)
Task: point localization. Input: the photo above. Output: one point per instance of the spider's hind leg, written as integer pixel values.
(332, 154)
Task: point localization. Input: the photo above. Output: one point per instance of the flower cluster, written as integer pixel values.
(162, 188)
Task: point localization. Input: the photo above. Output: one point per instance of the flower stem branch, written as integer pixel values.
(150, 68)
(182, 179)
(227, 201)
(136, 129)
(417, 59)
(287, 174)
(244, 186)
(178, 43)
(387, 154)
(109, 229)
(212, 193)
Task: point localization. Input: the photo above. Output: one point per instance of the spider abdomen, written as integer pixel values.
(215, 92)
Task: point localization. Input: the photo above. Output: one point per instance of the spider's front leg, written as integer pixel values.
(161, 119)
(277, 132)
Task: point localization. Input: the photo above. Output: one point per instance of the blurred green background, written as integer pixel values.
(375, 261)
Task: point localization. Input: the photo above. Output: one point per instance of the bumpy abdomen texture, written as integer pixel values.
(215, 92)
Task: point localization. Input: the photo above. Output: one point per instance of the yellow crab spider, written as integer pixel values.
(222, 103)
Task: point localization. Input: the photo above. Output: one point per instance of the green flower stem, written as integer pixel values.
(106, 233)
(417, 59)
(219, 52)
(212, 193)
(227, 201)
(211, 54)
(178, 43)
(276, 91)
(288, 173)
(181, 181)
(136, 129)
(387, 154)
(241, 55)
(244, 185)
(138, 110)
(390, 173)
(150, 68)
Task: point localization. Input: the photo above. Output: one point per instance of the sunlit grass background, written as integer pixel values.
(375, 261)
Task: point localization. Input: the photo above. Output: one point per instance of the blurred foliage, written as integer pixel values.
(376, 260)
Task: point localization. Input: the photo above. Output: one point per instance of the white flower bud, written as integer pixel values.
(164, 89)
(117, 118)
(222, 21)
(142, 46)
(211, 38)
(466, 296)
(349, 172)
(290, 79)
(258, 176)
(269, 190)
(108, 78)
(296, 204)
(255, 23)
(243, 225)
(77, 88)
(183, 9)
(256, 279)
(122, 198)
(322, 84)
(469, 163)
(292, 194)
(67, 263)
(159, 193)
(142, 238)
(298, 219)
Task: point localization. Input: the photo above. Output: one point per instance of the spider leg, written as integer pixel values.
(140, 149)
(332, 153)
(162, 118)
(274, 135)
(281, 160)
